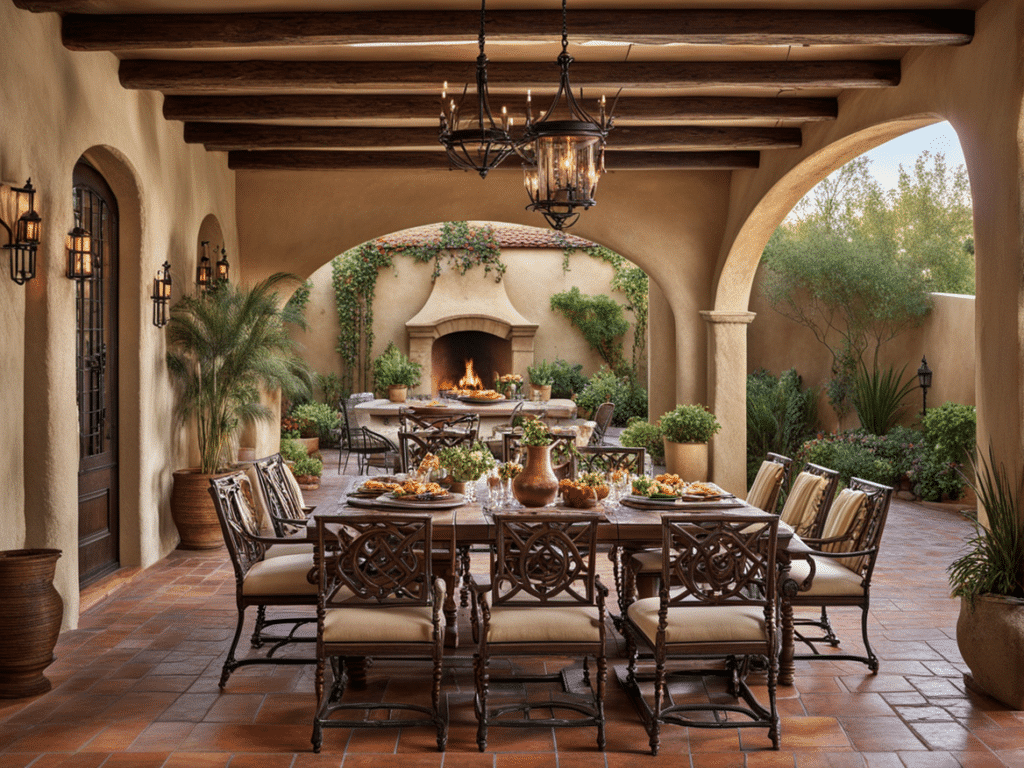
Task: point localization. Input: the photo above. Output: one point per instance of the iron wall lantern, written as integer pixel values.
(223, 268)
(79, 247)
(204, 273)
(924, 378)
(24, 240)
(161, 295)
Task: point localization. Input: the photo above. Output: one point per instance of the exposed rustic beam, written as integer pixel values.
(424, 109)
(263, 76)
(300, 160)
(235, 136)
(84, 32)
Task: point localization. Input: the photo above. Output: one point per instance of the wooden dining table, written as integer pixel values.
(620, 527)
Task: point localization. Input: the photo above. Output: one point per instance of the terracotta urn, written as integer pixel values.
(193, 512)
(688, 460)
(31, 610)
(536, 485)
(990, 636)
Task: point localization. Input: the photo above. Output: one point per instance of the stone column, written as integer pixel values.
(522, 349)
(661, 354)
(420, 342)
(727, 397)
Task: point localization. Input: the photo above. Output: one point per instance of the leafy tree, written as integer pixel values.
(600, 319)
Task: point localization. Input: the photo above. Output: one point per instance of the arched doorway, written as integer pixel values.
(96, 351)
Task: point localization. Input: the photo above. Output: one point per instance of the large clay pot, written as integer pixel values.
(536, 485)
(541, 393)
(31, 610)
(688, 460)
(193, 511)
(397, 394)
(991, 641)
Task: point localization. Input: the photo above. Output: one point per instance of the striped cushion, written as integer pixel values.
(803, 501)
(846, 518)
(769, 477)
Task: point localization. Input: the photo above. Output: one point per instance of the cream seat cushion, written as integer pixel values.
(397, 624)
(802, 503)
(297, 547)
(285, 575)
(704, 624)
(769, 477)
(830, 578)
(554, 624)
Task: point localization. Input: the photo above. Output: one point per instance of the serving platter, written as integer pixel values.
(682, 503)
(481, 400)
(451, 501)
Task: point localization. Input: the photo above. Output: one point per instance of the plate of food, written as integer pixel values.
(374, 487)
(412, 490)
(483, 396)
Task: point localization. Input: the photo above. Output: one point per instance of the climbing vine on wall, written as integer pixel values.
(354, 276)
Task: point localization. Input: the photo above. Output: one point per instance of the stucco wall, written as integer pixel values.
(67, 105)
(533, 276)
(946, 337)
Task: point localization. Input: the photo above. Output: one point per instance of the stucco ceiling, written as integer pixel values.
(296, 83)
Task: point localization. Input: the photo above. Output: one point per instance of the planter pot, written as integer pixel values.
(397, 394)
(536, 485)
(991, 641)
(688, 460)
(308, 482)
(193, 511)
(457, 487)
(311, 443)
(540, 393)
(30, 615)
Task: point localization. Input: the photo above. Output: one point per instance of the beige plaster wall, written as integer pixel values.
(57, 109)
(533, 276)
(946, 338)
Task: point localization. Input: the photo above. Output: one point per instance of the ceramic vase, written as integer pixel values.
(536, 485)
(31, 610)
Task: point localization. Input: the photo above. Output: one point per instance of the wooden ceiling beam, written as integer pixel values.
(123, 32)
(299, 160)
(197, 77)
(425, 109)
(242, 136)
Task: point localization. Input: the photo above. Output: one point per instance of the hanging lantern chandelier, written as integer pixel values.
(564, 150)
(483, 143)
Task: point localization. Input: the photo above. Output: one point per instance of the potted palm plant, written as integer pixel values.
(687, 430)
(224, 345)
(989, 580)
(394, 373)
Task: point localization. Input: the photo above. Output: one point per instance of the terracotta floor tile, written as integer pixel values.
(929, 760)
(984, 760)
(234, 708)
(951, 737)
(116, 737)
(1002, 739)
(881, 734)
(515, 760)
(64, 737)
(311, 760)
(261, 760)
(466, 760)
(65, 760)
(17, 759)
(882, 760)
(818, 732)
(229, 737)
(162, 736)
(392, 761)
(197, 760)
(137, 760)
(834, 759)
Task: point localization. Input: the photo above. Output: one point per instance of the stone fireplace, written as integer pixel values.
(469, 317)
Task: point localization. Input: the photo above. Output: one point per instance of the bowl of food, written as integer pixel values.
(576, 494)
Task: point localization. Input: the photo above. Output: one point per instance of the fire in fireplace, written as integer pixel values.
(469, 360)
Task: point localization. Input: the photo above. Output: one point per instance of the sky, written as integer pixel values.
(886, 159)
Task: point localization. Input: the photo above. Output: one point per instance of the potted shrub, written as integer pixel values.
(542, 376)
(316, 420)
(224, 346)
(307, 470)
(989, 580)
(687, 430)
(394, 373)
(640, 433)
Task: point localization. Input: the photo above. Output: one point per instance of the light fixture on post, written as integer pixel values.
(204, 272)
(484, 143)
(924, 378)
(161, 295)
(564, 150)
(24, 240)
(79, 247)
(223, 268)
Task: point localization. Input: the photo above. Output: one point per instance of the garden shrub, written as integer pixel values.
(292, 450)
(630, 399)
(934, 478)
(851, 454)
(952, 432)
(568, 379)
(780, 416)
(325, 417)
(640, 433)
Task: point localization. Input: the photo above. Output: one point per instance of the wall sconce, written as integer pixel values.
(79, 246)
(161, 295)
(223, 267)
(24, 241)
(203, 271)
(924, 378)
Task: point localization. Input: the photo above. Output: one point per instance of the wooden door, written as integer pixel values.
(96, 373)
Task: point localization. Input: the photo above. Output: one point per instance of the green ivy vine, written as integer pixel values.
(354, 277)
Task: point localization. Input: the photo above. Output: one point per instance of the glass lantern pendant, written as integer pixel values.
(482, 144)
(564, 151)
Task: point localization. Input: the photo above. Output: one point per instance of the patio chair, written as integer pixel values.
(563, 453)
(376, 596)
(364, 443)
(543, 598)
(468, 423)
(712, 612)
(771, 478)
(286, 509)
(414, 446)
(608, 458)
(839, 573)
(260, 581)
(603, 420)
(809, 499)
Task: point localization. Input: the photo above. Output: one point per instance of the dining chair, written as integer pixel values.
(366, 444)
(602, 420)
(260, 581)
(722, 605)
(839, 573)
(563, 453)
(414, 446)
(809, 499)
(280, 491)
(376, 597)
(608, 458)
(468, 423)
(772, 476)
(543, 598)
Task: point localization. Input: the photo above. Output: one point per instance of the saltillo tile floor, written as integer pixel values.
(136, 685)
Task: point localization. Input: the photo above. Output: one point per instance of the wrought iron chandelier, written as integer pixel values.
(484, 143)
(564, 150)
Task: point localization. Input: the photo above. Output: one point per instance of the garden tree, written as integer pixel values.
(855, 264)
(601, 321)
